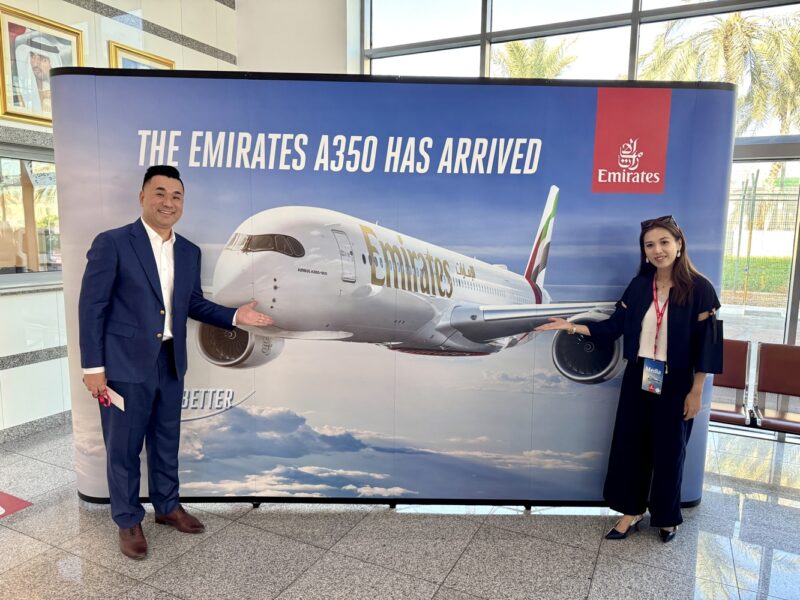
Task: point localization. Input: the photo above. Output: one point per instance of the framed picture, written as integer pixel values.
(30, 46)
(125, 57)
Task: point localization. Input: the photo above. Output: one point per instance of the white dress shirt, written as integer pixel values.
(164, 253)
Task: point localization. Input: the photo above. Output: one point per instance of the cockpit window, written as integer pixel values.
(261, 243)
(267, 242)
(236, 242)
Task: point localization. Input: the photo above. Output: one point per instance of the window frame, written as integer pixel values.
(486, 37)
(41, 279)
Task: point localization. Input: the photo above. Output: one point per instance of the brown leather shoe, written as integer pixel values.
(132, 542)
(181, 520)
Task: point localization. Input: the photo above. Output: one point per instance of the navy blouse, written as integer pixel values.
(691, 344)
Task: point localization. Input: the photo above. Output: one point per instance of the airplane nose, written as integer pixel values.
(233, 281)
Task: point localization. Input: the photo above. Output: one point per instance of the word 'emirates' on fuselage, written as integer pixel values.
(406, 269)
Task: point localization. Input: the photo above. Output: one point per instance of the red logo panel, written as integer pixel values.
(630, 143)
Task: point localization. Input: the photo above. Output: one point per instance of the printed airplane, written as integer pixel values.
(325, 275)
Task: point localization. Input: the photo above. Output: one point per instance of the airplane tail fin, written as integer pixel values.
(537, 263)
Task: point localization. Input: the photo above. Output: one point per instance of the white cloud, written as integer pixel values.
(482, 439)
(500, 381)
(368, 490)
(538, 459)
(298, 481)
(549, 459)
(325, 472)
(524, 383)
(260, 431)
(361, 434)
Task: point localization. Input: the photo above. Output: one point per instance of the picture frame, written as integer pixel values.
(121, 56)
(29, 47)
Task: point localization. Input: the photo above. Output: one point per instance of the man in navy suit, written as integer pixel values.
(142, 282)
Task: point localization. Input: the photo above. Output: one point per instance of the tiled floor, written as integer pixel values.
(742, 542)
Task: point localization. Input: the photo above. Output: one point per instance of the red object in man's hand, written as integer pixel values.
(104, 399)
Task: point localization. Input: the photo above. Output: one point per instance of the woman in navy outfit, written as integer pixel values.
(670, 344)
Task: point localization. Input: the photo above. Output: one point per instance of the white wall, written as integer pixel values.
(301, 36)
(33, 322)
(29, 323)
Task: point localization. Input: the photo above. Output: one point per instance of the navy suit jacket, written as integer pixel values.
(121, 309)
(689, 341)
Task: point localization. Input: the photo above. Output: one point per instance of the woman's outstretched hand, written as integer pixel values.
(555, 324)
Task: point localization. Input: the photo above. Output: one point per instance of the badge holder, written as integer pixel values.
(653, 375)
(653, 370)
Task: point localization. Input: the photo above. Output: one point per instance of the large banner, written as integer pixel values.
(406, 235)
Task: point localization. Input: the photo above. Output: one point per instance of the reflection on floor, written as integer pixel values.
(743, 541)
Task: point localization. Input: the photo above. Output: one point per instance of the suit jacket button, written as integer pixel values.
(158, 335)
(162, 312)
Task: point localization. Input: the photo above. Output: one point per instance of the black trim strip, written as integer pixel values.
(701, 85)
(390, 501)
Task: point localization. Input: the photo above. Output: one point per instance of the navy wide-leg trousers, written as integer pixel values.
(153, 416)
(645, 466)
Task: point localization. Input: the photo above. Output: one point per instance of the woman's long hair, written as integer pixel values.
(683, 270)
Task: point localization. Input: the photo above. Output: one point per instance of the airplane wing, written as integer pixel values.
(486, 323)
(273, 331)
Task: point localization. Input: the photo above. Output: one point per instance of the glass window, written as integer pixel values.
(762, 216)
(512, 14)
(755, 49)
(461, 62)
(268, 242)
(275, 242)
(29, 228)
(601, 54)
(261, 243)
(236, 242)
(409, 21)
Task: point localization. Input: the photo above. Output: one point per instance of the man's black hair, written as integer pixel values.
(165, 170)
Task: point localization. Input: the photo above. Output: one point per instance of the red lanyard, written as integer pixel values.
(659, 314)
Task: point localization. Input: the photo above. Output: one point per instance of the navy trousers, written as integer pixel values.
(645, 466)
(153, 416)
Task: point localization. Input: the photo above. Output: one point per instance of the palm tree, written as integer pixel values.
(782, 44)
(758, 54)
(534, 59)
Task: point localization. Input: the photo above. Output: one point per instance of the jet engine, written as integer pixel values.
(583, 359)
(237, 348)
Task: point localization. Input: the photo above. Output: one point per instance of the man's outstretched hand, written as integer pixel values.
(248, 315)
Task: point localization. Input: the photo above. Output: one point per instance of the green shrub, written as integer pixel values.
(765, 274)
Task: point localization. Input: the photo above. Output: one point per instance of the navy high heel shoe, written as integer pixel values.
(616, 534)
(667, 535)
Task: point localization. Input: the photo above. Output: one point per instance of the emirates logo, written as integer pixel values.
(629, 156)
(628, 162)
(631, 140)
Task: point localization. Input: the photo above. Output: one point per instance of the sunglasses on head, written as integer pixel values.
(665, 220)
